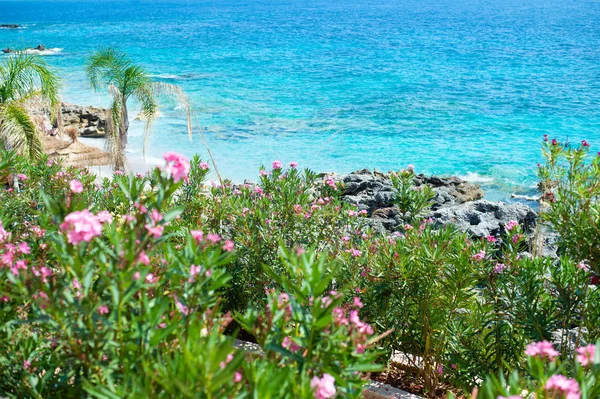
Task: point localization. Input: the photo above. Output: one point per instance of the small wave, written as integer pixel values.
(166, 76)
(49, 51)
(472, 177)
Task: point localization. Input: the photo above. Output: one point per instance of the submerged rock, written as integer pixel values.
(9, 26)
(482, 218)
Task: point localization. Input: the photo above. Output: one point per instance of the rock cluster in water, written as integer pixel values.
(39, 47)
(9, 26)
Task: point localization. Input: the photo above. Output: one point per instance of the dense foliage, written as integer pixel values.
(137, 286)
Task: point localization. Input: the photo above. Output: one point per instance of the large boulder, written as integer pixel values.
(482, 218)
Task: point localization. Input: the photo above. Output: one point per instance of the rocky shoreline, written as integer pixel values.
(456, 202)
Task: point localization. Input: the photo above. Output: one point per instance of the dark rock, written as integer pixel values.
(90, 121)
(450, 190)
(482, 218)
(6, 50)
(9, 26)
(40, 47)
(371, 190)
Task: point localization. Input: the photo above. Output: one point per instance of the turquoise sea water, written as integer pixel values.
(454, 87)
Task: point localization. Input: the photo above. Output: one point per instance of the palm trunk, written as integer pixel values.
(123, 131)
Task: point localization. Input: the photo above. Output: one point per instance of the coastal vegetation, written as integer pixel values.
(138, 285)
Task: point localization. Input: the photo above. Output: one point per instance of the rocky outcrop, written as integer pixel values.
(9, 26)
(39, 47)
(372, 190)
(482, 218)
(456, 202)
(90, 121)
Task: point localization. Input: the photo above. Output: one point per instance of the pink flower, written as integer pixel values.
(293, 165)
(76, 186)
(136, 276)
(27, 365)
(119, 172)
(237, 377)
(479, 255)
(583, 266)
(277, 165)
(22, 177)
(151, 278)
(324, 387)
(198, 235)
(357, 302)
(156, 216)
(194, 270)
(585, 355)
(81, 226)
(24, 248)
(182, 308)
(491, 239)
(178, 166)
(290, 345)
(355, 252)
(155, 231)
(258, 190)
(104, 217)
(562, 385)
(585, 143)
(213, 238)
(511, 225)
(411, 167)
(4, 235)
(228, 246)
(103, 309)
(500, 267)
(543, 349)
(263, 172)
(143, 258)
(330, 182)
(554, 142)
(204, 166)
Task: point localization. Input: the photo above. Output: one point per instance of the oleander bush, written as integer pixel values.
(138, 285)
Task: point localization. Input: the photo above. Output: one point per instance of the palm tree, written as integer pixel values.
(26, 83)
(111, 69)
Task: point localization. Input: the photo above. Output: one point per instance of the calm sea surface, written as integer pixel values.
(453, 87)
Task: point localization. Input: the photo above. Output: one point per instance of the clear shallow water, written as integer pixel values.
(453, 87)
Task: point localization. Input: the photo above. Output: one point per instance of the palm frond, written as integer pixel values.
(177, 94)
(18, 130)
(23, 74)
(105, 66)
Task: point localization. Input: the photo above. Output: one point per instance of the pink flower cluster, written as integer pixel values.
(277, 165)
(543, 349)
(324, 387)
(178, 166)
(585, 355)
(563, 386)
(511, 225)
(81, 226)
